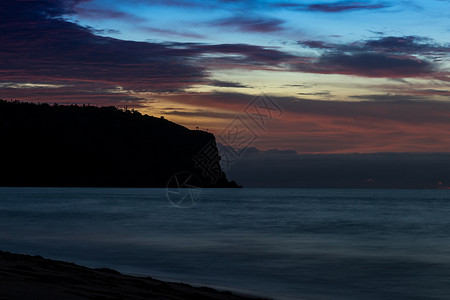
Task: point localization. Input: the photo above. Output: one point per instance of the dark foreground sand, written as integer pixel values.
(33, 277)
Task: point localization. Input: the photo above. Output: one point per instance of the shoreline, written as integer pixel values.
(34, 277)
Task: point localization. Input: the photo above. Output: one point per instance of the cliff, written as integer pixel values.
(56, 145)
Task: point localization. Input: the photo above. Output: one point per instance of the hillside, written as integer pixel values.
(56, 145)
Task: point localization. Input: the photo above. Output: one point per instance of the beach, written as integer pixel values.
(34, 277)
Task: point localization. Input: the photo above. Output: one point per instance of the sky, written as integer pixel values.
(306, 77)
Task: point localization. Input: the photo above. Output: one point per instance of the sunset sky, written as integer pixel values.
(341, 76)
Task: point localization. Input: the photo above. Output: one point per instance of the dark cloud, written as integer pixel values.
(397, 44)
(431, 92)
(44, 47)
(39, 45)
(317, 45)
(391, 57)
(167, 32)
(388, 44)
(376, 65)
(250, 54)
(406, 45)
(97, 13)
(333, 7)
(70, 92)
(104, 31)
(298, 85)
(325, 93)
(251, 23)
(384, 108)
(181, 3)
(389, 97)
(368, 65)
(199, 113)
(220, 83)
(275, 168)
(344, 6)
(15, 11)
(215, 100)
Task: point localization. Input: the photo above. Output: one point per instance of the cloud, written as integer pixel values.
(325, 94)
(430, 92)
(317, 45)
(406, 44)
(391, 57)
(388, 45)
(229, 101)
(246, 54)
(375, 65)
(171, 32)
(386, 109)
(72, 92)
(18, 85)
(199, 113)
(220, 83)
(97, 13)
(397, 44)
(344, 6)
(333, 7)
(104, 31)
(39, 45)
(251, 23)
(368, 65)
(388, 97)
(298, 85)
(34, 10)
(43, 47)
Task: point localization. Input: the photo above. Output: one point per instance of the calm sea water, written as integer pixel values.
(279, 243)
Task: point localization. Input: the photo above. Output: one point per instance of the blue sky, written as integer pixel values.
(266, 22)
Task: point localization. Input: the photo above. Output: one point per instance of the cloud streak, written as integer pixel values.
(342, 6)
(388, 45)
(390, 57)
(333, 7)
(251, 23)
(370, 65)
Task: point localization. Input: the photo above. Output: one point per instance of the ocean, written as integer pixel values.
(278, 243)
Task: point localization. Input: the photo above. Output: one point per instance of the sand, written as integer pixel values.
(34, 277)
